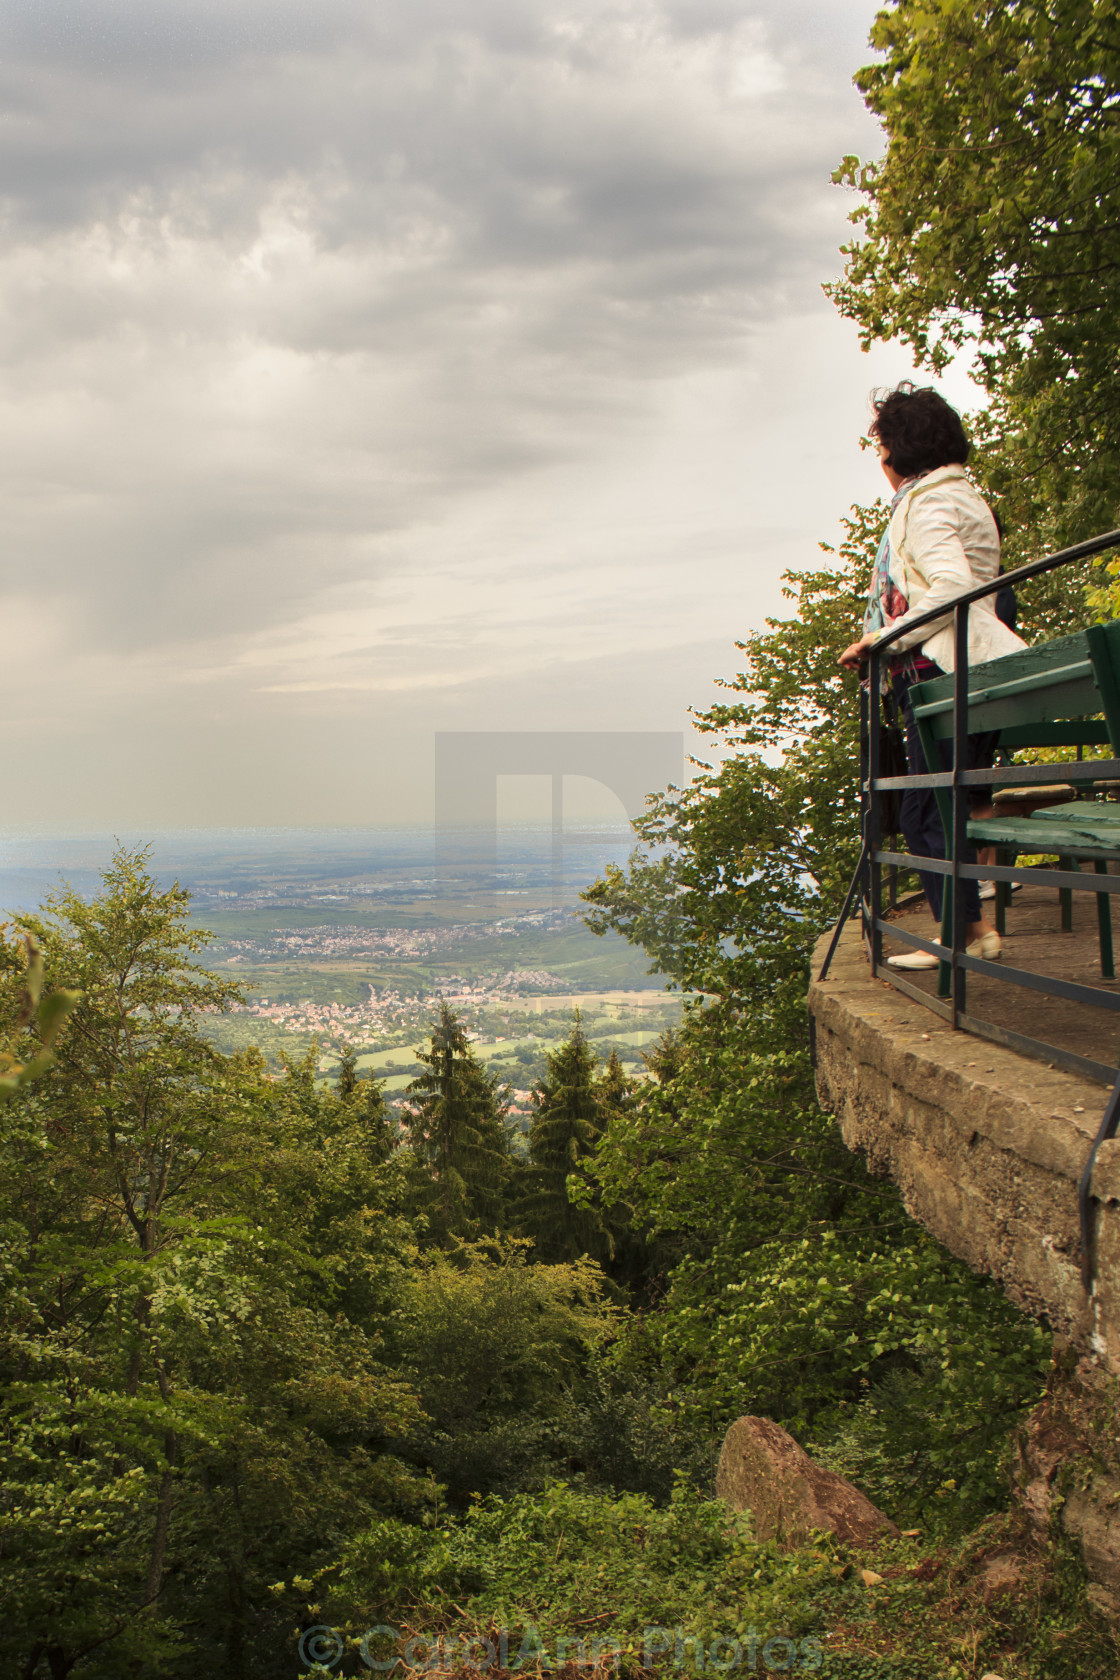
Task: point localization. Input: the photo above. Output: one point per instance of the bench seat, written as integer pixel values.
(1057, 694)
(1074, 831)
(1096, 813)
(1072, 836)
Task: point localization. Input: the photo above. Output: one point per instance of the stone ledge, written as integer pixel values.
(985, 1145)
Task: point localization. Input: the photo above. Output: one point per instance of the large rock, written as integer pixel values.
(763, 1470)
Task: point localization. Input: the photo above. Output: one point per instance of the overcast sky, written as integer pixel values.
(378, 367)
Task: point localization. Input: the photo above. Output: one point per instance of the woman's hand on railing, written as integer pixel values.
(853, 657)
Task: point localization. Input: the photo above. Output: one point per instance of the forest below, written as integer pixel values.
(285, 1365)
(294, 1385)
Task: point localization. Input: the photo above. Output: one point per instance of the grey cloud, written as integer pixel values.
(296, 301)
(483, 105)
(167, 36)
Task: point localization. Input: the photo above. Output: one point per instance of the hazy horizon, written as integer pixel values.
(362, 861)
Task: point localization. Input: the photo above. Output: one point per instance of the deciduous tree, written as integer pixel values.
(992, 226)
(196, 1260)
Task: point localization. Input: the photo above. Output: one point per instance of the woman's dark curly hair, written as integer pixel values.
(918, 429)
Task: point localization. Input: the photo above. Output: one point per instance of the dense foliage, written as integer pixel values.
(576, 1576)
(801, 1287)
(240, 1315)
(181, 1384)
(222, 1343)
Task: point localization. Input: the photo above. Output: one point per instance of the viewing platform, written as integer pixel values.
(976, 1075)
(986, 1081)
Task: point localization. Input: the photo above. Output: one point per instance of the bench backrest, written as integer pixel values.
(1050, 695)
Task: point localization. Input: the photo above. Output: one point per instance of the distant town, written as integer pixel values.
(387, 1010)
(334, 961)
(330, 941)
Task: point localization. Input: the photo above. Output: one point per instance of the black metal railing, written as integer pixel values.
(956, 964)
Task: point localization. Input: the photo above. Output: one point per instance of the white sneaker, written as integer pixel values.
(988, 946)
(988, 890)
(914, 959)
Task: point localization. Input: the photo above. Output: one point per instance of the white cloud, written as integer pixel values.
(361, 368)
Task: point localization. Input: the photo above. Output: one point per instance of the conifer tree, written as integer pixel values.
(457, 1133)
(665, 1058)
(616, 1090)
(376, 1118)
(365, 1100)
(347, 1085)
(563, 1135)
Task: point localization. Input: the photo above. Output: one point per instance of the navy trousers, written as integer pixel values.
(919, 816)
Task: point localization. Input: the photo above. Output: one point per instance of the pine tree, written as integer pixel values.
(365, 1098)
(457, 1133)
(379, 1121)
(348, 1074)
(638, 1260)
(616, 1091)
(563, 1136)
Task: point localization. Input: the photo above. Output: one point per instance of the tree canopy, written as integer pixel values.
(992, 226)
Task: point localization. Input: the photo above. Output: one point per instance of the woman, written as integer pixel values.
(941, 541)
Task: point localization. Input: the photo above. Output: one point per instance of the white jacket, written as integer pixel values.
(945, 536)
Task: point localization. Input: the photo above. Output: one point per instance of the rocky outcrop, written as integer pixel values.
(763, 1470)
(1067, 1471)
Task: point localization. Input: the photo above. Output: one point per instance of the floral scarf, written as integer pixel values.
(886, 599)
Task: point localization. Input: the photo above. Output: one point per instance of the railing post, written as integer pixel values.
(872, 834)
(959, 839)
(1104, 927)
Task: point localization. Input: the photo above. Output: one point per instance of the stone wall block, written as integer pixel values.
(1067, 1472)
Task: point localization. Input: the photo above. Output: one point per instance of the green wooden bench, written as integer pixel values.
(1077, 831)
(1052, 695)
